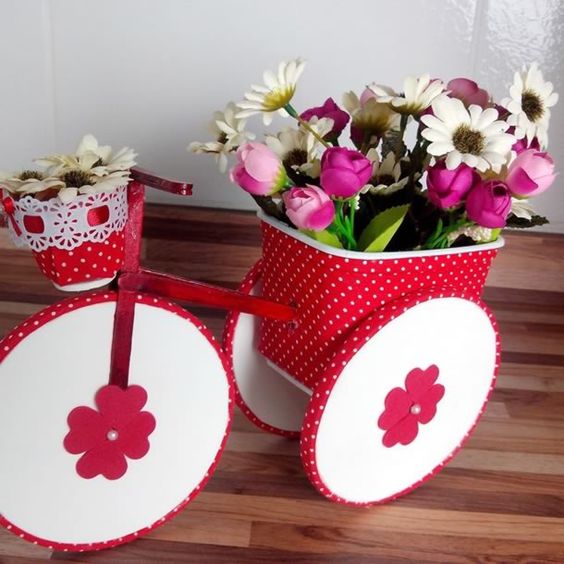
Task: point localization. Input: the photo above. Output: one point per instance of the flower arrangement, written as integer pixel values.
(91, 169)
(435, 165)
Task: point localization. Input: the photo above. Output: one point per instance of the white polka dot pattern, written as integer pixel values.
(334, 294)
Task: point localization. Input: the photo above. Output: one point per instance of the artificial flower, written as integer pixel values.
(309, 208)
(277, 93)
(77, 181)
(520, 207)
(298, 148)
(466, 135)
(28, 182)
(370, 118)
(477, 233)
(330, 110)
(229, 132)
(417, 96)
(468, 91)
(344, 172)
(529, 102)
(447, 188)
(386, 174)
(530, 173)
(489, 204)
(259, 170)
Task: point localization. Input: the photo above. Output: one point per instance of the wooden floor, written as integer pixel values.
(500, 500)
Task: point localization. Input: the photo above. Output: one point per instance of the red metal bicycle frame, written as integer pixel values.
(132, 280)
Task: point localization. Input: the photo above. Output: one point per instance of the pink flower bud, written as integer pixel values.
(309, 208)
(468, 91)
(259, 170)
(489, 204)
(329, 110)
(447, 188)
(531, 173)
(344, 172)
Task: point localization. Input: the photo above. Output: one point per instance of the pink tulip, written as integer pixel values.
(309, 208)
(531, 173)
(468, 91)
(329, 110)
(447, 188)
(489, 204)
(344, 172)
(259, 171)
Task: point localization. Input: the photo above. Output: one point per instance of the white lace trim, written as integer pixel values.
(66, 225)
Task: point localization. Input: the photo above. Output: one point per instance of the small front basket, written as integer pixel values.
(78, 245)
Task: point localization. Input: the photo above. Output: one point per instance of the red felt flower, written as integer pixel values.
(118, 429)
(406, 409)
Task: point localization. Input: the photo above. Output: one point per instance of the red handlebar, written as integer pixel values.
(149, 179)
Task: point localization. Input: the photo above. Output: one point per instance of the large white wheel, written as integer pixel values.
(267, 398)
(401, 398)
(57, 361)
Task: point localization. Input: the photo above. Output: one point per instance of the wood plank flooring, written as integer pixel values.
(500, 500)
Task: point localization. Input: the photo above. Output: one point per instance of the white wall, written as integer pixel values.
(148, 73)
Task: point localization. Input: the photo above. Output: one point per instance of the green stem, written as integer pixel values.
(305, 125)
(343, 227)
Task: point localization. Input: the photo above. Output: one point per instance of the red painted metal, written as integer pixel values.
(203, 294)
(166, 184)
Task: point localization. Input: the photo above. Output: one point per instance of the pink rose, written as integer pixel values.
(259, 171)
(531, 173)
(329, 110)
(468, 91)
(489, 204)
(309, 208)
(447, 188)
(344, 172)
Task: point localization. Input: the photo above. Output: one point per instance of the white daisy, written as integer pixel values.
(28, 182)
(521, 208)
(80, 182)
(386, 174)
(277, 93)
(229, 132)
(371, 117)
(473, 136)
(418, 94)
(530, 98)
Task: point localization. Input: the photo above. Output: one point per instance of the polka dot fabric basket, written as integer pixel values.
(78, 245)
(386, 369)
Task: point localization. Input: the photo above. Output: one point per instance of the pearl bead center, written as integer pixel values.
(415, 409)
(112, 435)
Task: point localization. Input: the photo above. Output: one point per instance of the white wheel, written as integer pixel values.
(57, 361)
(268, 399)
(400, 398)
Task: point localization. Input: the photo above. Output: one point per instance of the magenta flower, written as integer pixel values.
(118, 429)
(447, 188)
(329, 110)
(309, 208)
(489, 204)
(468, 91)
(344, 172)
(406, 409)
(531, 173)
(259, 171)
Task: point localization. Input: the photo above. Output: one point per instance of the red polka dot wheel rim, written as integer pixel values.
(180, 390)
(267, 399)
(401, 397)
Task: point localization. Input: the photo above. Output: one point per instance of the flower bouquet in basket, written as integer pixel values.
(72, 214)
(434, 165)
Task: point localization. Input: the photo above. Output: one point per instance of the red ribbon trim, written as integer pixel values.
(10, 208)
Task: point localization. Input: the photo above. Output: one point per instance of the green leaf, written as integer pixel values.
(381, 229)
(324, 237)
(521, 223)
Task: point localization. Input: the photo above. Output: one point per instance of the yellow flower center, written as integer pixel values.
(468, 141)
(277, 99)
(532, 105)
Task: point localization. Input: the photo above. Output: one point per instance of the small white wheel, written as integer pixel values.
(400, 398)
(268, 399)
(58, 360)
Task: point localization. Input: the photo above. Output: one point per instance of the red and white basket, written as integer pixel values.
(78, 245)
(385, 370)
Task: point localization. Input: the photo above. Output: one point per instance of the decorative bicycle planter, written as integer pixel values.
(386, 368)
